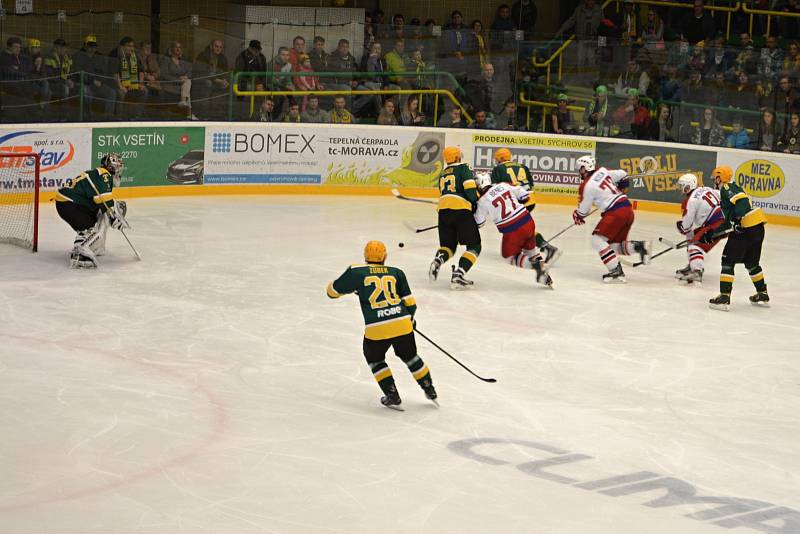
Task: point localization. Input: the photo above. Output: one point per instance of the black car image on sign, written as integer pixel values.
(188, 169)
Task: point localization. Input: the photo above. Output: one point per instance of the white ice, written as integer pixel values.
(214, 388)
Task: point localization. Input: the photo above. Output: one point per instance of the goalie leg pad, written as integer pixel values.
(98, 246)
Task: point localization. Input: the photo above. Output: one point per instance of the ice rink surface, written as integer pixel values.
(214, 388)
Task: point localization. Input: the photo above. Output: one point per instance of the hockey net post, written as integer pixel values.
(19, 199)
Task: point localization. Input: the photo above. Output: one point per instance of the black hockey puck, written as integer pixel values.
(401, 244)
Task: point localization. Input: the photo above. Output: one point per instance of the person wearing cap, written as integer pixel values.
(251, 60)
(632, 118)
(561, 117)
(34, 47)
(596, 112)
(128, 77)
(96, 77)
(58, 65)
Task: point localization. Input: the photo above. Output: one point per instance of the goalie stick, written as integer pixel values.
(397, 194)
(122, 230)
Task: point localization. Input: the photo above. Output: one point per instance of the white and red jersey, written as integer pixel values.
(601, 189)
(700, 208)
(504, 204)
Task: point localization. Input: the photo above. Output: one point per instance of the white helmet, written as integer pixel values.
(687, 183)
(483, 181)
(587, 162)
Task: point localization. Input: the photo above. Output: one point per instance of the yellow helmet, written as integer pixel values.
(722, 174)
(34, 43)
(375, 252)
(452, 154)
(502, 155)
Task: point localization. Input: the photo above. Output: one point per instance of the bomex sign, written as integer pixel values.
(722, 511)
(257, 143)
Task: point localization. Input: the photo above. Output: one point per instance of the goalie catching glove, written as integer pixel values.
(116, 218)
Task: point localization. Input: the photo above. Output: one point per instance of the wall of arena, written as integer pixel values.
(260, 158)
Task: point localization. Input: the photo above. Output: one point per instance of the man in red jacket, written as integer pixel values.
(632, 117)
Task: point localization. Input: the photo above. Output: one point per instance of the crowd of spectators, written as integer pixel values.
(656, 73)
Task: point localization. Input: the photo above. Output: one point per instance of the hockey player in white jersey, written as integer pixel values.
(701, 214)
(605, 189)
(504, 204)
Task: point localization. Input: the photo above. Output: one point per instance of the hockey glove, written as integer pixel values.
(708, 237)
(624, 185)
(117, 220)
(736, 226)
(578, 218)
(681, 229)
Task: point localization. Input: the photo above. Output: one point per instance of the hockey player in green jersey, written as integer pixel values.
(511, 172)
(87, 205)
(457, 198)
(388, 308)
(745, 227)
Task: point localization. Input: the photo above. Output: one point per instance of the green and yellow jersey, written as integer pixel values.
(736, 205)
(92, 189)
(457, 189)
(515, 173)
(386, 300)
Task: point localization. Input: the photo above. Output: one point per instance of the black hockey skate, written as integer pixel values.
(392, 400)
(542, 276)
(614, 275)
(551, 254)
(457, 280)
(643, 248)
(721, 302)
(433, 270)
(694, 275)
(680, 274)
(760, 299)
(430, 391)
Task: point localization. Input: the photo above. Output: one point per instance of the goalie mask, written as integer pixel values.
(113, 164)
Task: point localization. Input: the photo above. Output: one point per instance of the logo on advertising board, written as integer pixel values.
(63, 154)
(654, 170)
(54, 153)
(221, 142)
(760, 178)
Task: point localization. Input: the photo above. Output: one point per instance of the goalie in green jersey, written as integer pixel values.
(744, 225)
(511, 172)
(87, 205)
(388, 308)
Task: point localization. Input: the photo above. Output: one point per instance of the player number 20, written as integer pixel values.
(384, 292)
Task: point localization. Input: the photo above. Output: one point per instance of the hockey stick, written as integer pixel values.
(397, 194)
(568, 227)
(418, 230)
(429, 340)
(122, 230)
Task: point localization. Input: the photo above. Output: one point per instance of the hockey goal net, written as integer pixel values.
(19, 199)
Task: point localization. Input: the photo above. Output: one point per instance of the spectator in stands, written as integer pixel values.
(697, 58)
(34, 49)
(13, 65)
(791, 63)
(477, 52)
(482, 94)
(662, 127)
(653, 33)
(59, 68)
(786, 100)
(387, 115)
(267, 112)
(375, 64)
(176, 76)
(771, 59)
(298, 49)
(738, 138)
(586, 21)
(670, 84)
(718, 92)
(344, 64)
(314, 113)
(743, 97)
(765, 92)
(97, 80)
(561, 117)
(626, 25)
(128, 78)
(39, 82)
(411, 114)
(482, 121)
(340, 113)
(293, 114)
(768, 132)
(788, 26)
(396, 61)
(150, 68)
(790, 140)
(632, 118)
(452, 119)
(746, 59)
(210, 82)
(597, 111)
(319, 58)
(698, 25)
(252, 60)
(306, 81)
(678, 54)
(524, 14)
(453, 45)
(718, 59)
(507, 119)
(502, 40)
(709, 131)
(694, 92)
(397, 30)
(418, 64)
(633, 78)
(370, 35)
